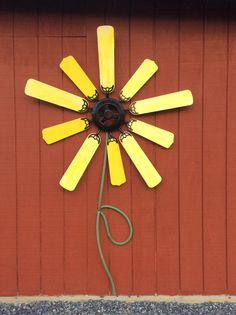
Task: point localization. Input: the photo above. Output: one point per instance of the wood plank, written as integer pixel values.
(74, 18)
(97, 282)
(214, 159)
(120, 257)
(8, 208)
(28, 168)
(190, 153)
(51, 161)
(166, 205)
(75, 202)
(179, 244)
(49, 18)
(231, 154)
(25, 19)
(143, 202)
(6, 18)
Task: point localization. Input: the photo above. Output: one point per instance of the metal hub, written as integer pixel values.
(108, 114)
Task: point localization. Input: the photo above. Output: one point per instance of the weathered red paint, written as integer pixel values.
(184, 230)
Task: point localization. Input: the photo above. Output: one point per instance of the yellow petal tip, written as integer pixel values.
(27, 86)
(190, 97)
(105, 27)
(46, 140)
(118, 183)
(66, 58)
(44, 137)
(155, 66)
(67, 187)
(156, 183)
(171, 141)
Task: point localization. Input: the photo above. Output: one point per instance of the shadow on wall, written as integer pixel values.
(190, 8)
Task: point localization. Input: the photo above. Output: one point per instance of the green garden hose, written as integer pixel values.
(102, 214)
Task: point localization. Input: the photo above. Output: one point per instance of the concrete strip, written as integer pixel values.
(191, 299)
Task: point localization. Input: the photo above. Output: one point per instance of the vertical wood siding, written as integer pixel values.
(184, 230)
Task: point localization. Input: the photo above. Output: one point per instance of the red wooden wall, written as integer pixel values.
(184, 230)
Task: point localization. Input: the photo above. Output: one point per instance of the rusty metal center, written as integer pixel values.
(108, 114)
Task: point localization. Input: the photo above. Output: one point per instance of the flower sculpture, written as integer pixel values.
(108, 114)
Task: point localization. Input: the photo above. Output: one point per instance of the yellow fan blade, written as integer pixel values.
(160, 136)
(105, 37)
(139, 78)
(80, 162)
(74, 71)
(64, 130)
(116, 168)
(140, 160)
(48, 93)
(162, 102)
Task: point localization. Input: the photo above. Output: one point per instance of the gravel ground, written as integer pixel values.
(93, 307)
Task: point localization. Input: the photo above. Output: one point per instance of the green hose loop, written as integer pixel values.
(108, 229)
(101, 214)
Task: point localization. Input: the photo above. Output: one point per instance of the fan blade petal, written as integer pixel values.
(116, 168)
(51, 94)
(162, 102)
(77, 75)
(61, 131)
(138, 79)
(140, 160)
(105, 38)
(80, 162)
(160, 136)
